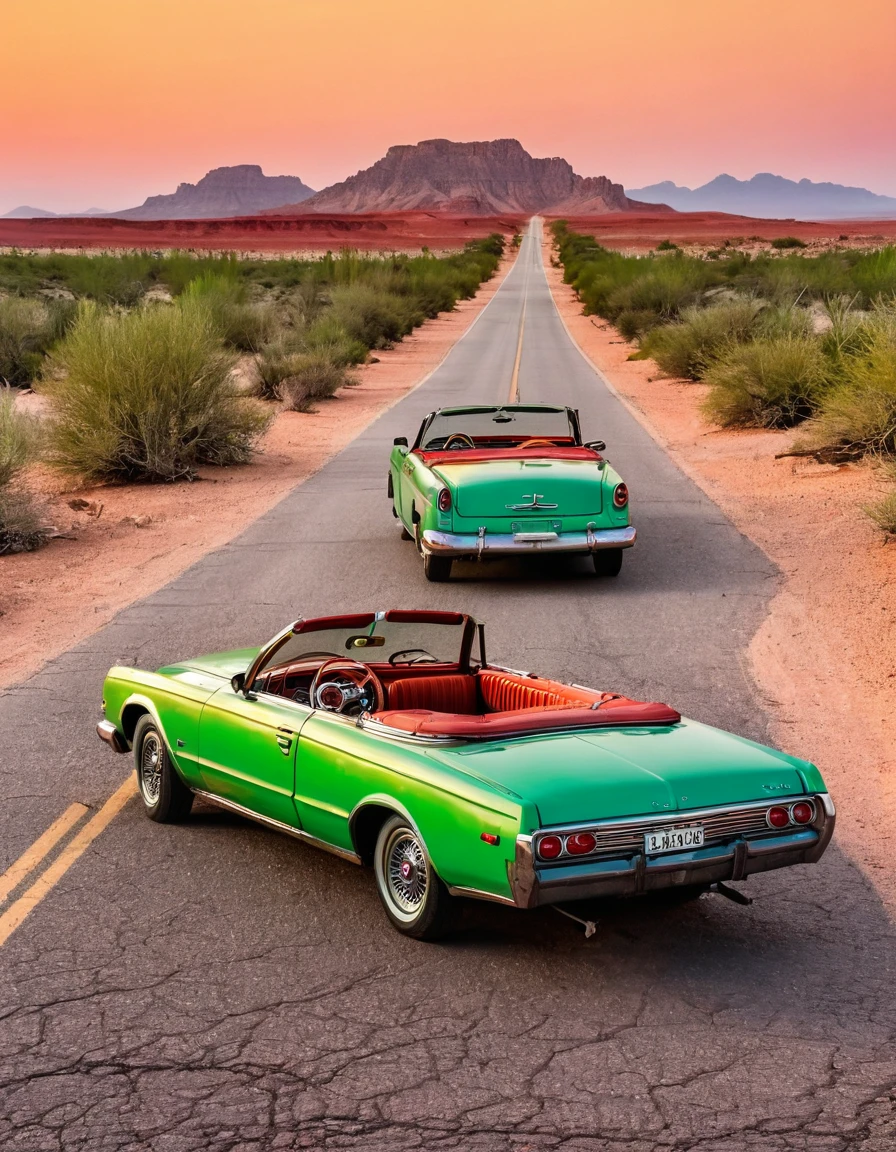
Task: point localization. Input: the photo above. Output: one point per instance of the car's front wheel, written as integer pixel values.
(415, 899)
(607, 561)
(166, 799)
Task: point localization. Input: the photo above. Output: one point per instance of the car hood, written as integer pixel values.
(223, 664)
(616, 772)
(487, 489)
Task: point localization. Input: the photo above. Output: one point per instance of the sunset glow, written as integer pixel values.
(105, 102)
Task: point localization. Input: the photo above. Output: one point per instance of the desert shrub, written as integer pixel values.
(883, 513)
(778, 322)
(667, 246)
(146, 396)
(788, 242)
(767, 383)
(306, 377)
(686, 348)
(19, 439)
(244, 326)
(632, 323)
(858, 415)
(26, 331)
(371, 317)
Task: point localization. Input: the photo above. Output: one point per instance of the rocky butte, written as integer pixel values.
(240, 190)
(479, 178)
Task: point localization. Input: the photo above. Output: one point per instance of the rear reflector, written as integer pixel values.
(580, 843)
(550, 847)
(802, 813)
(490, 838)
(777, 817)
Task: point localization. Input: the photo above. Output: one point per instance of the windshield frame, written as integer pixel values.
(479, 409)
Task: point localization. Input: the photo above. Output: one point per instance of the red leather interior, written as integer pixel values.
(507, 692)
(495, 724)
(483, 455)
(437, 693)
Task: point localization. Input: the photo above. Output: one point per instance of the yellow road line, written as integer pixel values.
(28, 901)
(42, 846)
(515, 375)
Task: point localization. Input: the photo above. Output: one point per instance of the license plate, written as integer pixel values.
(672, 840)
(535, 526)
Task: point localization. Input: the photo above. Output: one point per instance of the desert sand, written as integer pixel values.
(825, 657)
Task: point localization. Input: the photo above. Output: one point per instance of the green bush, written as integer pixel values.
(299, 378)
(788, 242)
(686, 348)
(632, 323)
(19, 439)
(27, 329)
(328, 335)
(858, 415)
(667, 246)
(146, 396)
(244, 326)
(766, 383)
(883, 513)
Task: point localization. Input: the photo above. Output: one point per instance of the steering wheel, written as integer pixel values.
(424, 657)
(458, 440)
(537, 442)
(328, 693)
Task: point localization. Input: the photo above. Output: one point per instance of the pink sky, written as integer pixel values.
(104, 102)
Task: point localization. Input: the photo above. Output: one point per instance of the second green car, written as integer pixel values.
(508, 480)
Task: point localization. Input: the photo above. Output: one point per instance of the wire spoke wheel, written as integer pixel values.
(151, 768)
(406, 872)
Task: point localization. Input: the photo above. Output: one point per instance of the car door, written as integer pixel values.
(247, 751)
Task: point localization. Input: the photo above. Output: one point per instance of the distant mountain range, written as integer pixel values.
(767, 195)
(477, 178)
(23, 212)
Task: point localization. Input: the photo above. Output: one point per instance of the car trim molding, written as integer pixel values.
(279, 826)
(480, 894)
(502, 543)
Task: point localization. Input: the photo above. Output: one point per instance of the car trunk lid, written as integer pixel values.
(524, 489)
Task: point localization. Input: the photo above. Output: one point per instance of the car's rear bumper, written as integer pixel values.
(107, 731)
(525, 543)
(630, 875)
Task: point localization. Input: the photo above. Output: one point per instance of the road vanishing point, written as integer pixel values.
(214, 986)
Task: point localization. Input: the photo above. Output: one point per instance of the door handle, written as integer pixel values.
(284, 740)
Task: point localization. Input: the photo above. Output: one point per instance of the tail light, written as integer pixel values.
(445, 500)
(580, 843)
(550, 847)
(777, 817)
(620, 495)
(802, 812)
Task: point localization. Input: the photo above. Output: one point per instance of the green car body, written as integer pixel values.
(488, 495)
(480, 802)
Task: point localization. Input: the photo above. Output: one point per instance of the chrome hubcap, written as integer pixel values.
(151, 768)
(406, 874)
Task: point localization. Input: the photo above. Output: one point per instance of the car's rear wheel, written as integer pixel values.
(405, 535)
(415, 899)
(607, 561)
(436, 569)
(166, 799)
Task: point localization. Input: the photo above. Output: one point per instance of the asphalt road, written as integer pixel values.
(215, 986)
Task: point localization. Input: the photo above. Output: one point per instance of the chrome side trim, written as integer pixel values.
(504, 543)
(478, 894)
(107, 731)
(278, 826)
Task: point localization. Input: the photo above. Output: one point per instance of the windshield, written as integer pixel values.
(377, 639)
(499, 427)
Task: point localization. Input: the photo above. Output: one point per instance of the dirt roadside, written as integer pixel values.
(825, 657)
(145, 535)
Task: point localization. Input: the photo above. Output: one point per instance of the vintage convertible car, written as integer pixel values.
(507, 480)
(388, 739)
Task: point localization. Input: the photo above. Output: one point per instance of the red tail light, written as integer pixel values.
(580, 843)
(550, 847)
(620, 495)
(777, 817)
(802, 813)
(445, 500)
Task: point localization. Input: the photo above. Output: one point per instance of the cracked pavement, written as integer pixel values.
(215, 986)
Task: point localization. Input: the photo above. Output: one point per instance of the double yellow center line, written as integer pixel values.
(33, 858)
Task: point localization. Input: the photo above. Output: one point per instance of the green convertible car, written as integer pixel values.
(388, 739)
(510, 480)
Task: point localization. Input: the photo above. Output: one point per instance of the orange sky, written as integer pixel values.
(106, 101)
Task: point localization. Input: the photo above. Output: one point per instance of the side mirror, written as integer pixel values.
(401, 440)
(597, 445)
(238, 682)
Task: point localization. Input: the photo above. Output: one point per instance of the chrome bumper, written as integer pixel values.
(523, 543)
(631, 875)
(107, 731)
